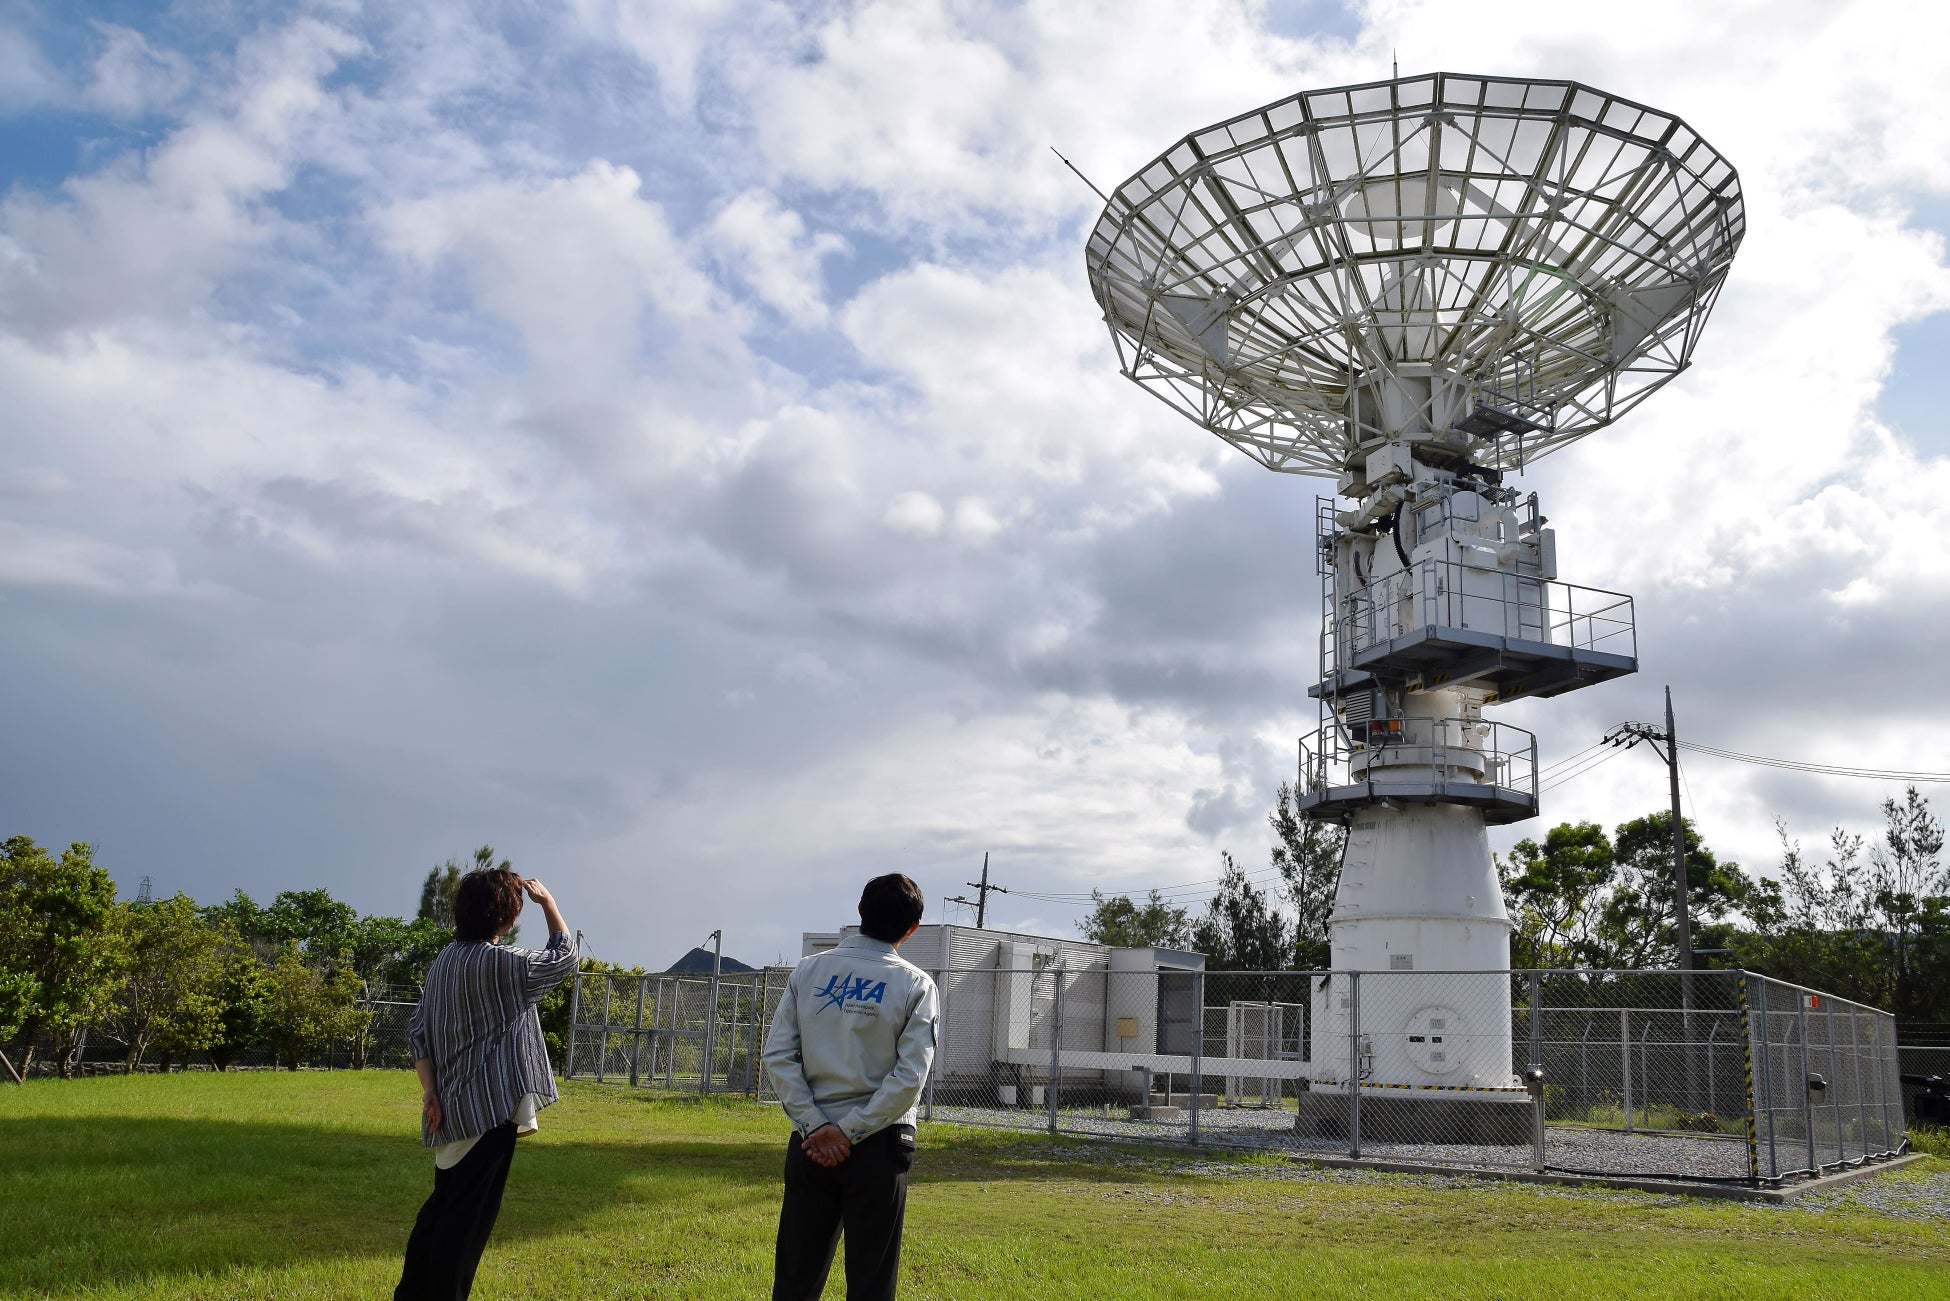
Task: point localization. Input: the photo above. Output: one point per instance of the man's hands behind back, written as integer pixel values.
(828, 1145)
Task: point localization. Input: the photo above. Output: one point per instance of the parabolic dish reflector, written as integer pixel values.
(1510, 264)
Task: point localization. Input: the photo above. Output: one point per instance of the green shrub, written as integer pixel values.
(1933, 1139)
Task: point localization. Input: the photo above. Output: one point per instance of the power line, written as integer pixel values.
(1550, 770)
(1597, 761)
(1551, 777)
(1824, 769)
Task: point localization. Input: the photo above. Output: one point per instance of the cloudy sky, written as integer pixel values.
(674, 441)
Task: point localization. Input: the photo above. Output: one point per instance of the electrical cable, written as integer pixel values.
(1571, 773)
(1549, 771)
(1395, 531)
(1572, 758)
(1692, 808)
(1598, 761)
(1824, 769)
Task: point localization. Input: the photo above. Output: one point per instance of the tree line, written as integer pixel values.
(1868, 919)
(173, 979)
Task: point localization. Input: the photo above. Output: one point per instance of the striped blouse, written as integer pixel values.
(477, 1021)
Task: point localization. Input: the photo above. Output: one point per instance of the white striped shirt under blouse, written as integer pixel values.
(477, 1021)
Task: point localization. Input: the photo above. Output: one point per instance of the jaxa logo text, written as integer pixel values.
(841, 990)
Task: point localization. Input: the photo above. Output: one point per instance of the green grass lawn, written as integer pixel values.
(279, 1185)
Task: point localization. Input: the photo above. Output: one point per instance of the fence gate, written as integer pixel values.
(676, 1032)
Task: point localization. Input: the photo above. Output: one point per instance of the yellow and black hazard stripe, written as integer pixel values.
(1747, 1066)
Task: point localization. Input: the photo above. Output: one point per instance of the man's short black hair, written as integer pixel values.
(486, 903)
(888, 907)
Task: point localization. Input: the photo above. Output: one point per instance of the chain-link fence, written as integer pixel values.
(1925, 1054)
(1712, 1075)
(673, 1032)
(105, 1048)
(1827, 1080)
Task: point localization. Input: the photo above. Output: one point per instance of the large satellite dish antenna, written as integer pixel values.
(1510, 263)
(1416, 286)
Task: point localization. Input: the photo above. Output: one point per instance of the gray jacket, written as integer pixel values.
(853, 1039)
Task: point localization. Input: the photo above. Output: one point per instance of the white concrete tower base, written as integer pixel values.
(1419, 908)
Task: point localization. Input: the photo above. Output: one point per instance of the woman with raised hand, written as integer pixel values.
(484, 1072)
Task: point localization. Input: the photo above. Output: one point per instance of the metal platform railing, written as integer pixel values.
(1429, 760)
(1490, 605)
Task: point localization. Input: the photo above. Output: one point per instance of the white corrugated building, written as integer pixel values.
(1000, 993)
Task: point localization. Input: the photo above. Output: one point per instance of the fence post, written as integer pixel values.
(753, 1068)
(710, 1035)
(1835, 1087)
(1747, 1070)
(636, 1031)
(1861, 1092)
(602, 1046)
(575, 1014)
(1198, 1050)
(1625, 1061)
(941, 1011)
(1354, 1065)
(1767, 1078)
(1807, 1094)
(1055, 1040)
(667, 994)
(1888, 1069)
(1536, 1019)
(1882, 1082)
(1538, 1103)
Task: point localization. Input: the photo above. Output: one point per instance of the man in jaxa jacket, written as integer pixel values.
(848, 1052)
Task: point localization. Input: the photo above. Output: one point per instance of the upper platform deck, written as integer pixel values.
(1449, 624)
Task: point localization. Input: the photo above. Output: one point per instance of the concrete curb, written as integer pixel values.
(1689, 1188)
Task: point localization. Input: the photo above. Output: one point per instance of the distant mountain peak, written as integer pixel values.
(699, 960)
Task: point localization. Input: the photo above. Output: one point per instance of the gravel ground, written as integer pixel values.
(1568, 1149)
(1912, 1197)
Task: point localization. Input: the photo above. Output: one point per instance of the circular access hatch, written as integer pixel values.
(1435, 1039)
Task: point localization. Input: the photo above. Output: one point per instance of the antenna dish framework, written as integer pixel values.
(1519, 261)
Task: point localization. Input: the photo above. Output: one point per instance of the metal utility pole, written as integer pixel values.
(711, 1013)
(980, 903)
(1665, 741)
(1629, 735)
(1682, 909)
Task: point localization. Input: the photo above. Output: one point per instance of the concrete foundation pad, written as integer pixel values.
(1412, 1119)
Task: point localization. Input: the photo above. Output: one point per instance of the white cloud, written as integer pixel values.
(26, 77)
(808, 669)
(585, 268)
(771, 252)
(63, 558)
(154, 235)
(915, 514)
(975, 521)
(131, 77)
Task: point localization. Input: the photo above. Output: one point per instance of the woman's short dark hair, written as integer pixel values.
(888, 907)
(486, 903)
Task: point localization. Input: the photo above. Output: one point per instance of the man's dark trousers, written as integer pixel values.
(453, 1227)
(867, 1195)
